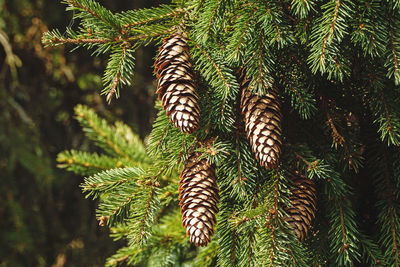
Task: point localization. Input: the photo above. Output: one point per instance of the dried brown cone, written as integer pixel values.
(301, 212)
(262, 117)
(198, 199)
(176, 88)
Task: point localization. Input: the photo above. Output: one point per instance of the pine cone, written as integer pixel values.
(198, 199)
(176, 88)
(303, 206)
(262, 117)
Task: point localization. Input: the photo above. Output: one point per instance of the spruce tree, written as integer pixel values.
(292, 157)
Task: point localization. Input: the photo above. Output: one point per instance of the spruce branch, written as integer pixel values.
(207, 23)
(119, 70)
(240, 33)
(367, 32)
(381, 102)
(88, 163)
(92, 123)
(95, 10)
(259, 65)
(146, 16)
(352, 46)
(387, 115)
(131, 255)
(274, 22)
(302, 8)
(395, 3)
(294, 81)
(388, 123)
(109, 179)
(386, 185)
(372, 251)
(393, 62)
(207, 255)
(327, 34)
(390, 196)
(221, 79)
(238, 161)
(147, 215)
(345, 245)
(273, 213)
(217, 69)
(331, 31)
(117, 140)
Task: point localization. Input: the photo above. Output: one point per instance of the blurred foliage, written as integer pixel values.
(45, 220)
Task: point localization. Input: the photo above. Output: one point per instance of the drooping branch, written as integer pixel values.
(390, 195)
(396, 67)
(329, 34)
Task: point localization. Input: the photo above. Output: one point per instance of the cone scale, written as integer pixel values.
(176, 88)
(198, 199)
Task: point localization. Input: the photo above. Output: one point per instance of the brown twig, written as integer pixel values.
(113, 90)
(56, 40)
(337, 137)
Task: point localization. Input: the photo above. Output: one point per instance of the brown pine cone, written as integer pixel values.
(262, 117)
(176, 88)
(303, 200)
(198, 199)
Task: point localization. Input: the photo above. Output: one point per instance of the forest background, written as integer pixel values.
(45, 218)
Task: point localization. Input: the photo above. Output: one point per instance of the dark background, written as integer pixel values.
(45, 219)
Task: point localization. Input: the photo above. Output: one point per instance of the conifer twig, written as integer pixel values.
(331, 31)
(337, 137)
(273, 214)
(390, 195)
(213, 17)
(74, 3)
(233, 248)
(239, 166)
(176, 12)
(95, 186)
(396, 71)
(274, 21)
(345, 245)
(219, 71)
(57, 40)
(111, 94)
(244, 31)
(389, 127)
(85, 164)
(104, 135)
(146, 213)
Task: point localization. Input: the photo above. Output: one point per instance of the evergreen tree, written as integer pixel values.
(282, 115)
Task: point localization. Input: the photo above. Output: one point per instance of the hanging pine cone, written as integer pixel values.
(262, 117)
(303, 206)
(198, 199)
(176, 88)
